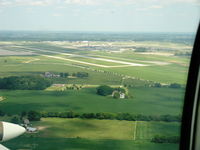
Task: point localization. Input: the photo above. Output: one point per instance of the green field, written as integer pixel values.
(37, 143)
(147, 101)
(105, 129)
(73, 134)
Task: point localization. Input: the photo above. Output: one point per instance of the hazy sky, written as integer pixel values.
(100, 15)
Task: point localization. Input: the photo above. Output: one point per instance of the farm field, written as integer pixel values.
(154, 101)
(96, 134)
(38, 143)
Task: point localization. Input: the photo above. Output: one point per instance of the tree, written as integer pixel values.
(104, 90)
(82, 74)
(24, 83)
(34, 116)
(2, 113)
(164, 139)
(61, 74)
(15, 120)
(122, 90)
(158, 85)
(175, 85)
(116, 95)
(141, 49)
(66, 75)
(88, 115)
(23, 113)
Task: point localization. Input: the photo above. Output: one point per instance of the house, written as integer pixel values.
(118, 94)
(122, 95)
(31, 129)
(48, 74)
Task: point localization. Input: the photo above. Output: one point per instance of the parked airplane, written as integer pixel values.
(9, 131)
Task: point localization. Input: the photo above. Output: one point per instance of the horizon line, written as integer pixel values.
(97, 31)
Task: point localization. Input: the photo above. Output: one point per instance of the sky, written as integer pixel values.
(100, 15)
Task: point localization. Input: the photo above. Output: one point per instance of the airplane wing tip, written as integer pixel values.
(3, 147)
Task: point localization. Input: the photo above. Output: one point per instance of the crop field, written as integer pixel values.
(96, 134)
(105, 129)
(154, 101)
(136, 66)
(147, 130)
(38, 143)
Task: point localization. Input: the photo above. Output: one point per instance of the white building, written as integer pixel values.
(122, 95)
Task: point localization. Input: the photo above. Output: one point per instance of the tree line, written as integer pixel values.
(172, 85)
(103, 115)
(24, 83)
(30, 115)
(165, 139)
(112, 116)
(36, 115)
(80, 74)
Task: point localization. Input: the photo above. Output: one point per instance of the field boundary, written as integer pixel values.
(135, 131)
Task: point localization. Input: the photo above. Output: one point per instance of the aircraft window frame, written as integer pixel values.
(192, 95)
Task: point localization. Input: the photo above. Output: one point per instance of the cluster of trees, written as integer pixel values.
(164, 139)
(183, 54)
(2, 113)
(64, 74)
(172, 85)
(111, 116)
(158, 85)
(30, 115)
(80, 74)
(74, 87)
(24, 83)
(175, 85)
(141, 49)
(36, 116)
(106, 90)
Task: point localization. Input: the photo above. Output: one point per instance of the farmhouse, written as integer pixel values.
(118, 94)
(122, 95)
(31, 129)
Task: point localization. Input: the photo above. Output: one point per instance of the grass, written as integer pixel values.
(105, 129)
(84, 128)
(162, 74)
(79, 134)
(147, 101)
(49, 143)
(147, 130)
